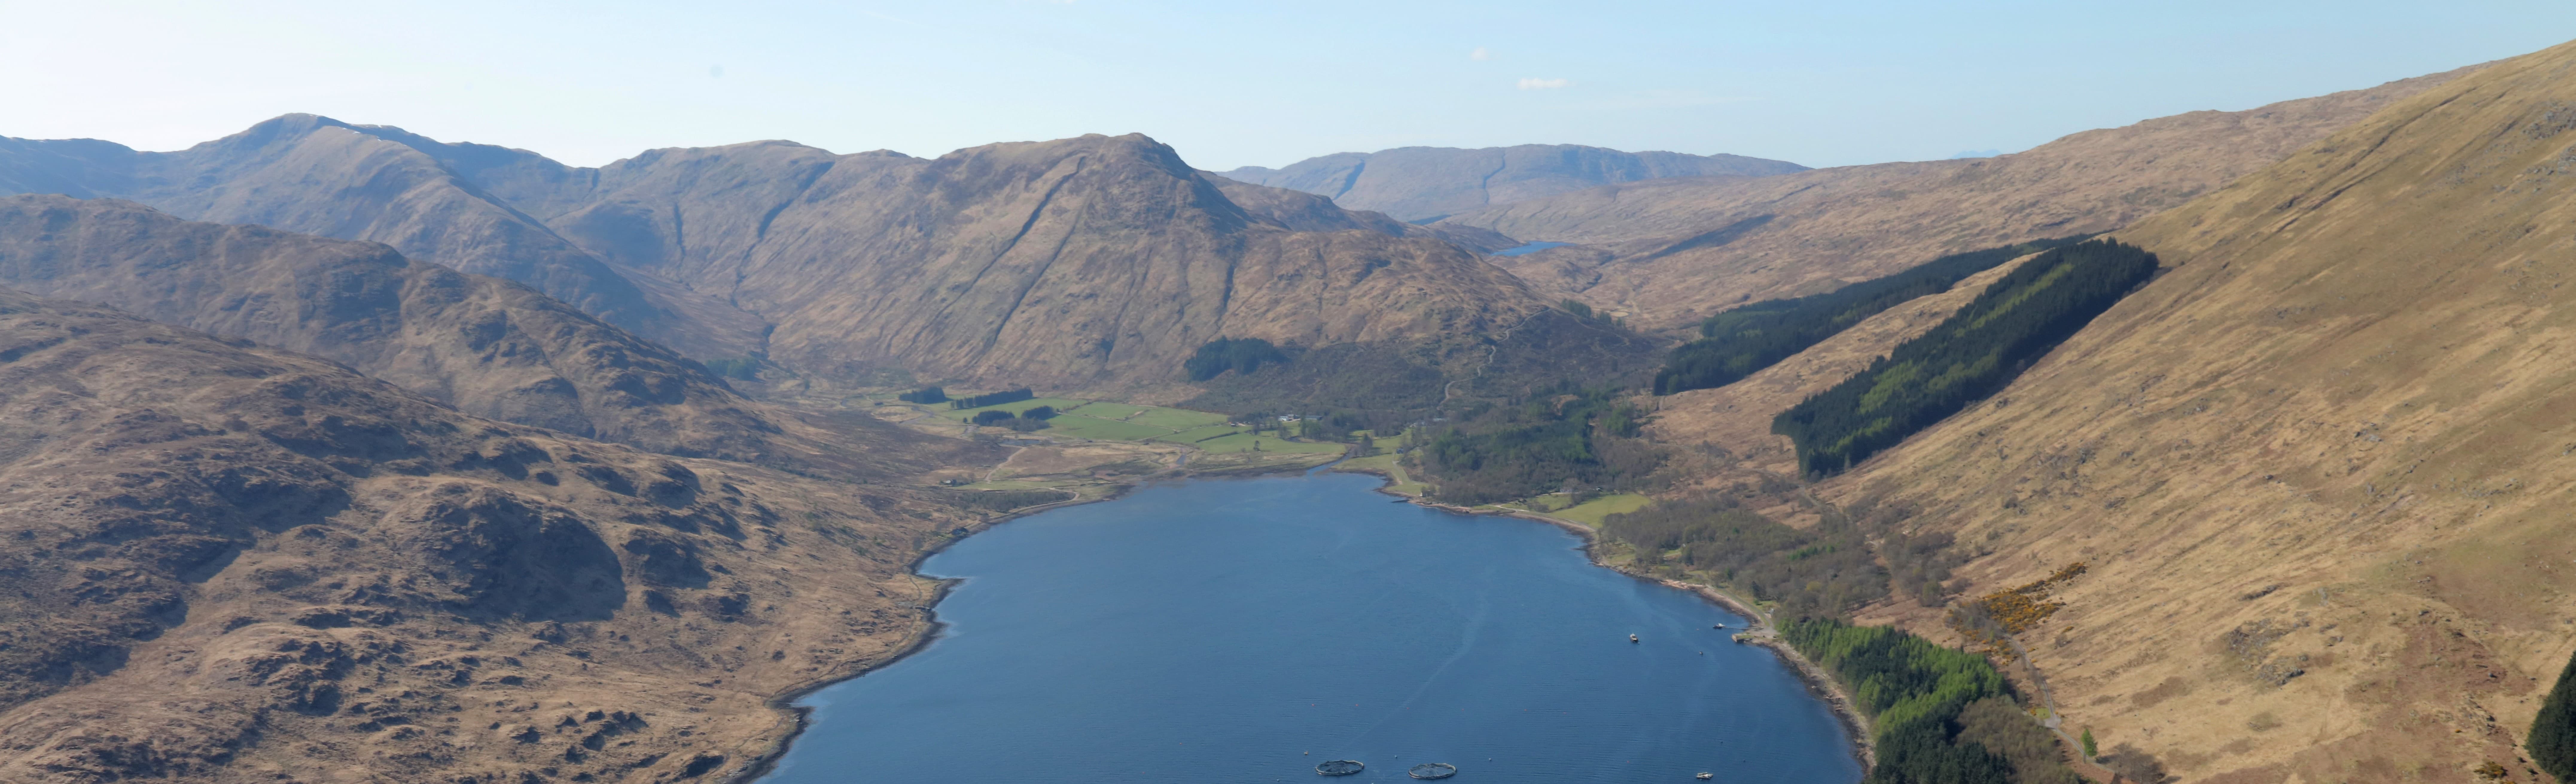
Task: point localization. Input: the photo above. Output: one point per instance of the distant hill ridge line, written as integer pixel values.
(1096, 263)
(1424, 184)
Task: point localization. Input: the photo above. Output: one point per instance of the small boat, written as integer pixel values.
(1706, 776)
(1340, 768)
(1719, 626)
(1433, 770)
(1632, 638)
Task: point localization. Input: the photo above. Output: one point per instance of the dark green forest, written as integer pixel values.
(924, 395)
(1944, 715)
(1743, 341)
(1969, 356)
(993, 399)
(1568, 437)
(1244, 356)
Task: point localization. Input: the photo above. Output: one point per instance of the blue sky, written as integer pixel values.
(1229, 84)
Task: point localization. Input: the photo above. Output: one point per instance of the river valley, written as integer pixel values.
(1248, 629)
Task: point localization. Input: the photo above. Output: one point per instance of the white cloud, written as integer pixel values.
(1533, 83)
(1480, 54)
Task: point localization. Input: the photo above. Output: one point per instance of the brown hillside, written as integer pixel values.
(317, 175)
(1737, 417)
(1428, 183)
(232, 564)
(490, 347)
(2319, 467)
(1095, 263)
(1670, 251)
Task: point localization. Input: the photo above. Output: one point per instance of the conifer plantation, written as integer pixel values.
(1968, 357)
(1743, 341)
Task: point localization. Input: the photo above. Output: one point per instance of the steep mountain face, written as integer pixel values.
(1671, 251)
(490, 347)
(1096, 263)
(2318, 468)
(235, 563)
(317, 175)
(1424, 184)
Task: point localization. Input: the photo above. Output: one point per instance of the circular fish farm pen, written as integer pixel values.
(1433, 770)
(1339, 768)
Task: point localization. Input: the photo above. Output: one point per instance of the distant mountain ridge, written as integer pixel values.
(1424, 184)
(1096, 263)
(490, 347)
(1671, 251)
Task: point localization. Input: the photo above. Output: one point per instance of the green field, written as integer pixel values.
(1590, 512)
(1104, 410)
(1398, 481)
(1107, 421)
(1105, 429)
(1176, 418)
(1198, 434)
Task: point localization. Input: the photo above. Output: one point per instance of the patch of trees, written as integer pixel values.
(1241, 355)
(1943, 715)
(2553, 732)
(1968, 357)
(1025, 421)
(1743, 341)
(924, 395)
(1574, 437)
(1824, 570)
(1373, 386)
(746, 368)
(993, 399)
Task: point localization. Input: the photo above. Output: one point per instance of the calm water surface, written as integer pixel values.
(1244, 630)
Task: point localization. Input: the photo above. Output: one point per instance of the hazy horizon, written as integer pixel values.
(590, 83)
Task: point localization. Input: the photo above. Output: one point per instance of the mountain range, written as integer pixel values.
(1673, 251)
(330, 450)
(1425, 184)
(1095, 263)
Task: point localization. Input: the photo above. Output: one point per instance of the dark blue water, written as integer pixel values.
(1245, 630)
(1530, 248)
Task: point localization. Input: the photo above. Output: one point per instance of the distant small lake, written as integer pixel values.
(1244, 630)
(1530, 248)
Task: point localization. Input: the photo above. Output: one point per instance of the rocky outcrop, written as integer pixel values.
(226, 562)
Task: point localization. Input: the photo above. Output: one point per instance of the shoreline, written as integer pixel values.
(1857, 729)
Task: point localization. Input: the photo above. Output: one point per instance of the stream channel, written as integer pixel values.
(1244, 630)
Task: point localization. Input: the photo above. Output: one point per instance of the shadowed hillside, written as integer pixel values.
(490, 347)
